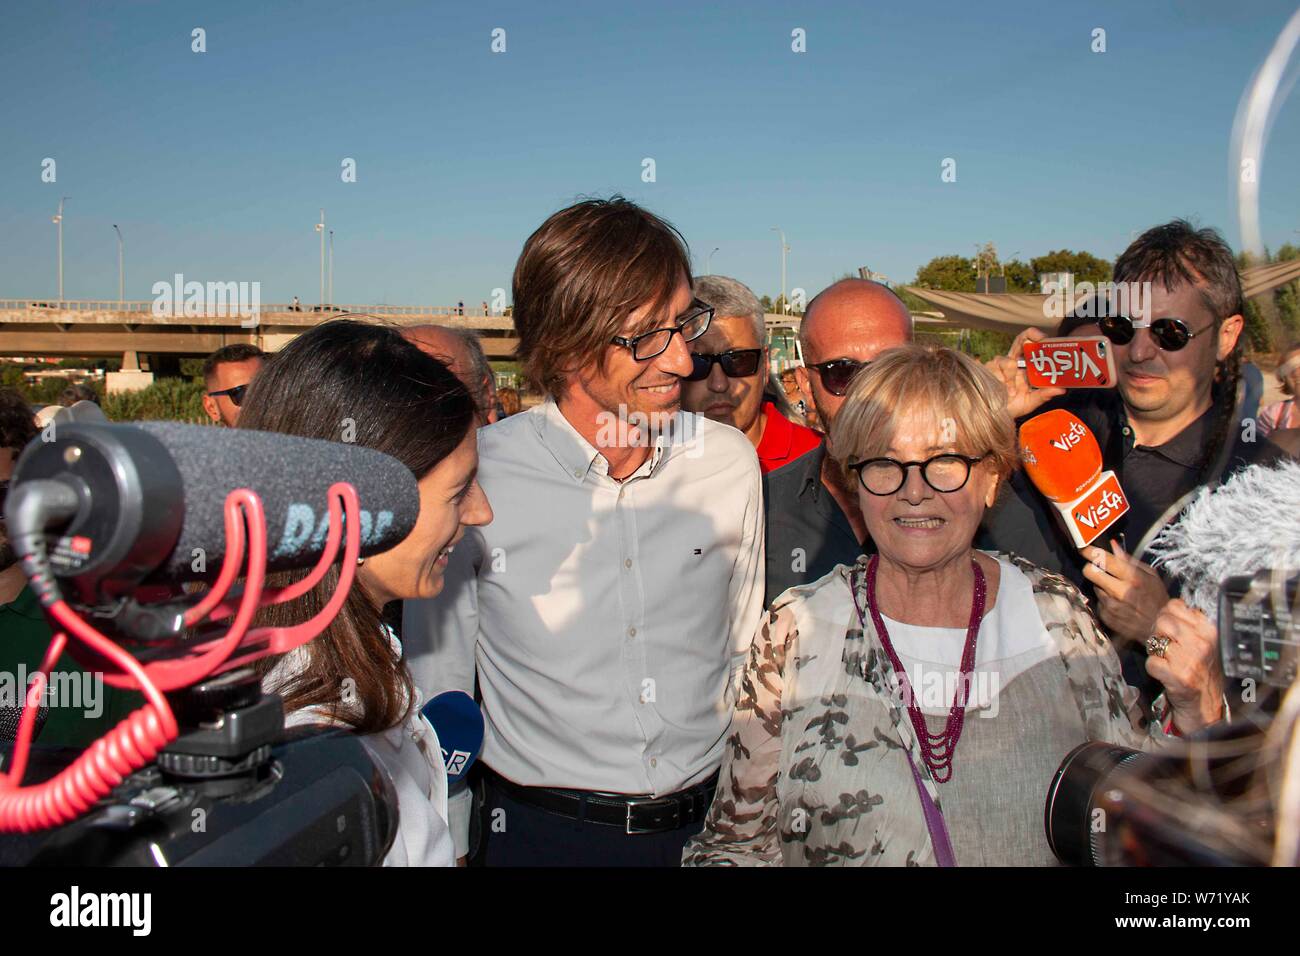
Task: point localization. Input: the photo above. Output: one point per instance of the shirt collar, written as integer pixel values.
(778, 435)
(575, 454)
(1186, 448)
(26, 604)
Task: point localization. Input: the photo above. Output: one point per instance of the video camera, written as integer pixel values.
(135, 538)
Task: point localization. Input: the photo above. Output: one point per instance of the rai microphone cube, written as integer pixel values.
(1063, 460)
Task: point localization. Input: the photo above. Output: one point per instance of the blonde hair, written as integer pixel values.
(964, 397)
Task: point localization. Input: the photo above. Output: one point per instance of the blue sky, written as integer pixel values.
(215, 164)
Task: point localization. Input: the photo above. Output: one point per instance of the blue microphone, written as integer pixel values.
(457, 720)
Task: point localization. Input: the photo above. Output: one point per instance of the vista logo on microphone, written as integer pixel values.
(1101, 507)
(1069, 439)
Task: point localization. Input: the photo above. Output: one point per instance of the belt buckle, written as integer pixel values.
(633, 802)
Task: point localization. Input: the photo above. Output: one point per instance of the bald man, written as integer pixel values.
(460, 351)
(813, 520)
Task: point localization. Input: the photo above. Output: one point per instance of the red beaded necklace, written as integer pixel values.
(936, 749)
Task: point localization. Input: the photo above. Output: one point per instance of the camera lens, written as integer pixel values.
(1070, 813)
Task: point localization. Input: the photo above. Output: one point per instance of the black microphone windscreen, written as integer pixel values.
(292, 475)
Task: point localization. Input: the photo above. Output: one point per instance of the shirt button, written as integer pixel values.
(627, 563)
(577, 473)
(1127, 430)
(631, 632)
(654, 762)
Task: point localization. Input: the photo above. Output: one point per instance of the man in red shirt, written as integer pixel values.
(731, 375)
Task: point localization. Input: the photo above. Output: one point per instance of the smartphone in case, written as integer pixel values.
(1085, 362)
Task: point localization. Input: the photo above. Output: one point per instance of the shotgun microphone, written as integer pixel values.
(145, 502)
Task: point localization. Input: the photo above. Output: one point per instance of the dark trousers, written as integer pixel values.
(510, 833)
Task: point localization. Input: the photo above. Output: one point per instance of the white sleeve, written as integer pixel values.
(747, 581)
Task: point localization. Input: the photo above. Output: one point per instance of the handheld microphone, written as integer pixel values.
(150, 496)
(1063, 460)
(458, 722)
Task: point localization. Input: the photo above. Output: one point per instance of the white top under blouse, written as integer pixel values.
(1012, 639)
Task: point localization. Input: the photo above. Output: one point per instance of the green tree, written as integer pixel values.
(1021, 276)
(1286, 299)
(11, 376)
(1259, 336)
(1084, 266)
(954, 273)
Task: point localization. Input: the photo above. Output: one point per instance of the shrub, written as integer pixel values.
(174, 399)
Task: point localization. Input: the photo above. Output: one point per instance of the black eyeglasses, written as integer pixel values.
(1170, 334)
(944, 473)
(736, 363)
(649, 344)
(235, 394)
(837, 374)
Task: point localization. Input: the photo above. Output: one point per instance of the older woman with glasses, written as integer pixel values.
(913, 708)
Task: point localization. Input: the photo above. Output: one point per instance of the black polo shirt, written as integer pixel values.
(807, 533)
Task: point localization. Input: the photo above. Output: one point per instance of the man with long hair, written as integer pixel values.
(1173, 424)
(617, 592)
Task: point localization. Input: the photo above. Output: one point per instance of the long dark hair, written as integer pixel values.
(366, 383)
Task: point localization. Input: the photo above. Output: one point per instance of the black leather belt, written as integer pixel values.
(635, 815)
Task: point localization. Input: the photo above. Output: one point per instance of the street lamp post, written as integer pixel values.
(331, 299)
(58, 221)
(785, 304)
(120, 273)
(708, 268)
(320, 227)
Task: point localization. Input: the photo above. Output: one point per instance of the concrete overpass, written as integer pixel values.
(141, 338)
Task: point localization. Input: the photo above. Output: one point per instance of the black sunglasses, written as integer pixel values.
(736, 363)
(837, 374)
(1170, 334)
(235, 394)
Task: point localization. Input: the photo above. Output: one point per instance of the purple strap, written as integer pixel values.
(933, 819)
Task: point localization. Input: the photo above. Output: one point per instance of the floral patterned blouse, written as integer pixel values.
(816, 773)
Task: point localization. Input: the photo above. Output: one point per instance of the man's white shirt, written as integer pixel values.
(606, 621)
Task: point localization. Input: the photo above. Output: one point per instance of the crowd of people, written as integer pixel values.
(716, 635)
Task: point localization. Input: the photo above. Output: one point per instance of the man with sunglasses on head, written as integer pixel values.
(227, 373)
(813, 520)
(620, 585)
(1173, 424)
(730, 375)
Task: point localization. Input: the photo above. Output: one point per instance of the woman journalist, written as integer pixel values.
(366, 382)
